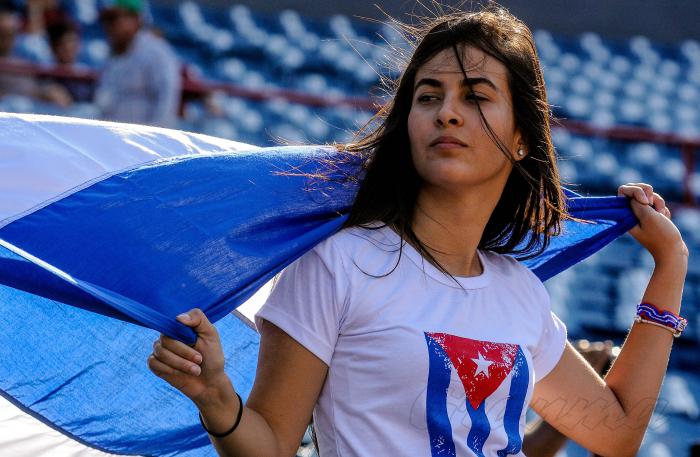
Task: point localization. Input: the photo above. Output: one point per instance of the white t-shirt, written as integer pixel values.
(418, 365)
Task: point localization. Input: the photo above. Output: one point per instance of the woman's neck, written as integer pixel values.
(451, 227)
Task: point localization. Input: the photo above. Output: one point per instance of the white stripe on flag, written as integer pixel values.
(21, 435)
(44, 157)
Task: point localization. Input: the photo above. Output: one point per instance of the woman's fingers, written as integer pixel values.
(174, 361)
(158, 367)
(655, 231)
(189, 366)
(644, 194)
(659, 202)
(193, 370)
(197, 320)
(181, 349)
(660, 205)
(648, 191)
(634, 191)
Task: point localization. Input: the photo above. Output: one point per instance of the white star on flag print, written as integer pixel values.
(482, 365)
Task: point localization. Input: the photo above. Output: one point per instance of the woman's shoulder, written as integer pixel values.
(509, 266)
(360, 245)
(497, 259)
(369, 236)
(514, 276)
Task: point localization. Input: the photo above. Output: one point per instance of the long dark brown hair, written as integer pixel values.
(532, 205)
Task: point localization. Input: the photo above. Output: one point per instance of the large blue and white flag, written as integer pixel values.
(108, 231)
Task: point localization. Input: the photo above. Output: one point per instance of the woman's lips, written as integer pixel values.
(448, 145)
(447, 142)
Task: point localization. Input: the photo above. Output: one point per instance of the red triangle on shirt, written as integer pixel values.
(481, 365)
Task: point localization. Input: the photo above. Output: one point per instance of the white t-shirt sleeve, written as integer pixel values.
(308, 300)
(552, 340)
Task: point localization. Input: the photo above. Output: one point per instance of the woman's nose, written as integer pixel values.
(448, 115)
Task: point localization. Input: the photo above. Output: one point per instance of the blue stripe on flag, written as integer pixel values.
(480, 429)
(439, 427)
(516, 402)
(195, 231)
(610, 218)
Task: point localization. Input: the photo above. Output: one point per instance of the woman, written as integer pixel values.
(411, 332)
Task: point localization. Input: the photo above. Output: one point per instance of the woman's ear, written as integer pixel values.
(520, 149)
(521, 152)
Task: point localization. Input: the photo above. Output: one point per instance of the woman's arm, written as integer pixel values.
(543, 440)
(609, 417)
(287, 384)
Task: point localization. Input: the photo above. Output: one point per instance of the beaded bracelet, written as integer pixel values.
(235, 424)
(650, 314)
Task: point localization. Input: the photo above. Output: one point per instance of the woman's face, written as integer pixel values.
(449, 146)
(66, 50)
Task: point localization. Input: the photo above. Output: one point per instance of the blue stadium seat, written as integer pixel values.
(85, 11)
(33, 48)
(18, 104)
(625, 175)
(602, 117)
(293, 25)
(95, 52)
(595, 47)
(620, 65)
(220, 128)
(661, 122)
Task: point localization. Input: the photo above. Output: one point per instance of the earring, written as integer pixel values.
(521, 152)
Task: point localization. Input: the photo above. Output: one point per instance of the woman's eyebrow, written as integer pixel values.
(466, 82)
(480, 80)
(427, 82)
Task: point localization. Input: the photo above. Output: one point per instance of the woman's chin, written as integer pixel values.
(459, 179)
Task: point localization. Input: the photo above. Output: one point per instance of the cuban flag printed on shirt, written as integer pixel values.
(482, 368)
(108, 231)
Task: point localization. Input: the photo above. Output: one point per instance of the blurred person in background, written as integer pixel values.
(141, 81)
(34, 16)
(41, 14)
(16, 77)
(9, 27)
(694, 450)
(29, 40)
(64, 39)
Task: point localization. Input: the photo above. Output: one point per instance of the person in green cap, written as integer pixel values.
(140, 83)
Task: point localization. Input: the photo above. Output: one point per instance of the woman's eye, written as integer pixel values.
(426, 98)
(472, 96)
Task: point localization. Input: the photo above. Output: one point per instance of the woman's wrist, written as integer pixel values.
(665, 286)
(219, 408)
(672, 266)
(675, 256)
(220, 394)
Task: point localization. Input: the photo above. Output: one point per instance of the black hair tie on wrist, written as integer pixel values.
(235, 424)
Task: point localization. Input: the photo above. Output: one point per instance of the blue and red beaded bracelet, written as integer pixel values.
(650, 314)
